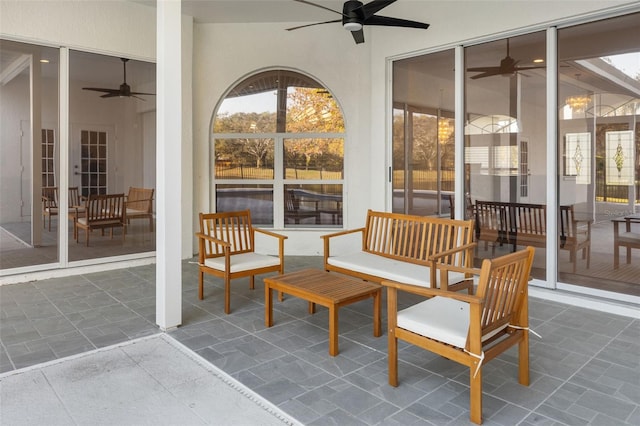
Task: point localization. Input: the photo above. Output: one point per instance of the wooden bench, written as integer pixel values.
(406, 249)
(522, 224)
(100, 212)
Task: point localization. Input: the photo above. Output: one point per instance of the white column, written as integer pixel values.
(169, 165)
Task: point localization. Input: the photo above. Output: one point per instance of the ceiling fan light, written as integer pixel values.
(352, 26)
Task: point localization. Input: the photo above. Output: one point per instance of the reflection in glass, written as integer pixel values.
(244, 158)
(30, 155)
(313, 158)
(505, 149)
(423, 135)
(257, 198)
(313, 205)
(598, 109)
(111, 146)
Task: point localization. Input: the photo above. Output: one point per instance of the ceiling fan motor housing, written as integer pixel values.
(352, 15)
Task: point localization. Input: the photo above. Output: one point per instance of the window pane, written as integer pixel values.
(599, 152)
(314, 159)
(247, 158)
(423, 134)
(274, 127)
(26, 168)
(312, 110)
(257, 198)
(313, 205)
(505, 149)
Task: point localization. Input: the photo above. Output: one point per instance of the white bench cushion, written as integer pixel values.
(390, 269)
(439, 318)
(243, 262)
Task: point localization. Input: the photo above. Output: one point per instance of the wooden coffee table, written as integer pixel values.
(326, 289)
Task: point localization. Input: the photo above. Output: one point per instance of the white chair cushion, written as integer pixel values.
(438, 318)
(243, 262)
(390, 269)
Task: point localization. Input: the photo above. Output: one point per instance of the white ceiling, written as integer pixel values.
(254, 11)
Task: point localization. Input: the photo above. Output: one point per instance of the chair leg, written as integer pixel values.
(201, 286)
(393, 359)
(475, 403)
(252, 282)
(523, 360)
(227, 296)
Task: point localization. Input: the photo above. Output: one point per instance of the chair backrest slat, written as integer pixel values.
(503, 284)
(232, 227)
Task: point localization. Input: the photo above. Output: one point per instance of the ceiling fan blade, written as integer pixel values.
(530, 68)
(311, 25)
(100, 89)
(394, 22)
(483, 69)
(142, 93)
(320, 6)
(358, 36)
(486, 74)
(111, 95)
(375, 6)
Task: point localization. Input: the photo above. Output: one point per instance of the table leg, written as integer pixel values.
(312, 308)
(333, 330)
(268, 306)
(377, 322)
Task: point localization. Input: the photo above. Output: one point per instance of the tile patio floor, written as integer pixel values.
(584, 370)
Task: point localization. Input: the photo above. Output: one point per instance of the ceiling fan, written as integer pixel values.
(123, 92)
(355, 15)
(508, 66)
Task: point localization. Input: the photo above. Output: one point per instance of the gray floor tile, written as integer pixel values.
(584, 370)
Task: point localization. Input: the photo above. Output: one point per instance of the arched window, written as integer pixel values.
(278, 150)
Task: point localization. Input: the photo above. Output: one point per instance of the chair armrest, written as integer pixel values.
(432, 292)
(270, 233)
(280, 238)
(206, 237)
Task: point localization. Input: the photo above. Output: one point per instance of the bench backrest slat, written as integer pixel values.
(414, 238)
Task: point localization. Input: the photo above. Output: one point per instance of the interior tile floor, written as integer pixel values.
(584, 370)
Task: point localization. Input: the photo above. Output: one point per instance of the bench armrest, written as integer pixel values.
(327, 238)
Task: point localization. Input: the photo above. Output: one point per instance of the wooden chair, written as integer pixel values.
(76, 203)
(227, 250)
(627, 238)
(139, 204)
(49, 204)
(468, 329)
(295, 212)
(101, 212)
(575, 236)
